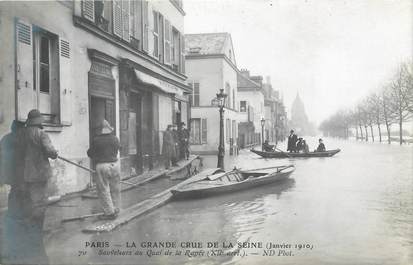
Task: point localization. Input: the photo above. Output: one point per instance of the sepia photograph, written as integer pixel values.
(210, 132)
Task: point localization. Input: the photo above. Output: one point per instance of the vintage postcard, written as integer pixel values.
(206, 132)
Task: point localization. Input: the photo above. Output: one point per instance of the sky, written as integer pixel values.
(333, 53)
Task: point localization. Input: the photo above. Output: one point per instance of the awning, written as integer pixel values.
(162, 85)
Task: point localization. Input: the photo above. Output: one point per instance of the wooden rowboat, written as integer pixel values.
(225, 182)
(277, 154)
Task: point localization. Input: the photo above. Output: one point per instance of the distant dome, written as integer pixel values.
(299, 118)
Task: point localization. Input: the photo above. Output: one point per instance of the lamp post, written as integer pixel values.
(262, 133)
(219, 101)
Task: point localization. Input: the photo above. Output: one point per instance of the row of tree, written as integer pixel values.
(391, 104)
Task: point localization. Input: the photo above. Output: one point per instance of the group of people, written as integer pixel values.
(24, 165)
(175, 144)
(298, 144)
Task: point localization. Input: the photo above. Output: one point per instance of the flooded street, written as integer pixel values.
(353, 208)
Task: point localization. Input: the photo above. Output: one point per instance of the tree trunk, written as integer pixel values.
(361, 132)
(367, 134)
(388, 132)
(371, 130)
(357, 134)
(378, 126)
(401, 130)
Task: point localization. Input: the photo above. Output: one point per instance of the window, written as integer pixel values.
(198, 131)
(136, 24)
(155, 34)
(228, 130)
(234, 131)
(168, 34)
(43, 74)
(233, 99)
(243, 106)
(194, 97)
(43, 63)
(228, 92)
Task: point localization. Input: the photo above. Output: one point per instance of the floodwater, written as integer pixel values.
(353, 208)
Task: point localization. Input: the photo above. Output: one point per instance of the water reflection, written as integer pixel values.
(355, 208)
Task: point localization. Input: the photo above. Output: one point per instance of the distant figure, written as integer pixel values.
(267, 147)
(104, 151)
(321, 147)
(299, 145)
(184, 141)
(168, 147)
(306, 149)
(292, 140)
(176, 153)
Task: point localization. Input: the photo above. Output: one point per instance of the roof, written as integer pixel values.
(206, 43)
(245, 82)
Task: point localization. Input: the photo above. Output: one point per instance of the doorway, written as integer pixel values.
(134, 133)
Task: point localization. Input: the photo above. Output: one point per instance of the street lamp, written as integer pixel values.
(262, 132)
(219, 101)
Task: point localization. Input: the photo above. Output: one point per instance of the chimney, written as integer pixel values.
(245, 73)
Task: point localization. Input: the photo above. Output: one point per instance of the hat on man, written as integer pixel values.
(106, 128)
(291, 131)
(34, 118)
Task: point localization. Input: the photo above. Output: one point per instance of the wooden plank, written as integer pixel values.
(141, 208)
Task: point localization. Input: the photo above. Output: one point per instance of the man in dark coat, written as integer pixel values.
(184, 141)
(168, 147)
(11, 166)
(175, 135)
(14, 236)
(267, 147)
(37, 172)
(321, 147)
(292, 140)
(104, 151)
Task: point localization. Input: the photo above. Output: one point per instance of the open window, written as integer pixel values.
(43, 74)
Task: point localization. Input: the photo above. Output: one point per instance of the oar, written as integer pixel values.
(282, 152)
(255, 169)
(81, 217)
(88, 169)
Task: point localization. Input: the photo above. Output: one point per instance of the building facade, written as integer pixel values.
(251, 96)
(84, 61)
(211, 66)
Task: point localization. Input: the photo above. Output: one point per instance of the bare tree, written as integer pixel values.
(400, 97)
(376, 112)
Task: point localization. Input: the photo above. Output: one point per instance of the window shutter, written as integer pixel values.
(204, 131)
(65, 82)
(26, 96)
(168, 33)
(145, 24)
(88, 10)
(161, 38)
(125, 20)
(117, 18)
(182, 53)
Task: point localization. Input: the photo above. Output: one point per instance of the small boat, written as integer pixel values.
(277, 154)
(235, 180)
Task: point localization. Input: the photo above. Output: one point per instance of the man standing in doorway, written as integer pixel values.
(104, 151)
(184, 141)
(168, 147)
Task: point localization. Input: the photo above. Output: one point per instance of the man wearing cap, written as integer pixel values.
(104, 151)
(321, 147)
(292, 140)
(37, 172)
(168, 147)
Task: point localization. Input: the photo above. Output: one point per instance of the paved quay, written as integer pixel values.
(142, 194)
